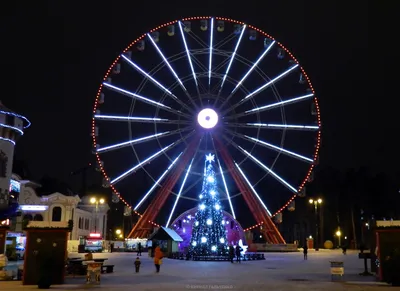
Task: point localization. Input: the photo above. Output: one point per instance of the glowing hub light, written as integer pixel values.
(222, 240)
(203, 239)
(212, 192)
(194, 243)
(213, 248)
(209, 221)
(200, 196)
(197, 223)
(223, 222)
(217, 207)
(210, 179)
(207, 118)
(202, 207)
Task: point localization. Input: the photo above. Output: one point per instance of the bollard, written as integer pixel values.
(337, 270)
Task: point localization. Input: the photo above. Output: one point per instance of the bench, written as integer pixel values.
(107, 269)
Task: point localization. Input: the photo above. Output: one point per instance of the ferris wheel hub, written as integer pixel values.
(207, 118)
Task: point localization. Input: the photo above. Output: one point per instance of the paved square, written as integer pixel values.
(280, 271)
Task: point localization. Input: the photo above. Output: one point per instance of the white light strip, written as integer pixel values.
(133, 95)
(278, 104)
(33, 207)
(279, 149)
(211, 50)
(130, 171)
(179, 193)
(12, 127)
(233, 56)
(131, 142)
(270, 83)
(283, 126)
(7, 139)
(140, 70)
(187, 52)
(157, 183)
(128, 118)
(253, 67)
(276, 176)
(227, 191)
(252, 188)
(166, 61)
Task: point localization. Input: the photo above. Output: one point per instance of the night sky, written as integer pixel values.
(54, 57)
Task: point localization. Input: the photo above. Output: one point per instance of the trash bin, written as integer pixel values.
(337, 270)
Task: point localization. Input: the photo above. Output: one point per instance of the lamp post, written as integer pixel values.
(119, 234)
(339, 235)
(316, 203)
(96, 202)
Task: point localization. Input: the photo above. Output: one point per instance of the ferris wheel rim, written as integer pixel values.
(94, 137)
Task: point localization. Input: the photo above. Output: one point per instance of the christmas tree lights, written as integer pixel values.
(209, 233)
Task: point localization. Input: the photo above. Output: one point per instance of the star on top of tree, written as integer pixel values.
(210, 158)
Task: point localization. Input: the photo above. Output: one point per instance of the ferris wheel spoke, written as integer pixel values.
(252, 188)
(271, 106)
(149, 159)
(224, 41)
(172, 70)
(230, 63)
(155, 82)
(197, 39)
(140, 140)
(192, 186)
(179, 193)
(145, 99)
(157, 183)
(248, 73)
(274, 126)
(262, 88)
(211, 51)
(184, 182)
(139, 119)
(264, 167)
(223, 179)
(189, 59)
(271, 146)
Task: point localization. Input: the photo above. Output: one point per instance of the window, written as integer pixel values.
(28, 217)
(3, 164)
(38, 217)
(80, 223)
(57, 212)
(10, 120)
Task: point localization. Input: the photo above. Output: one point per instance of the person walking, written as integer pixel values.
(231, 253)
(305, 252)
(238, 253)
(344, 249)
(139, 249)
(158, 255)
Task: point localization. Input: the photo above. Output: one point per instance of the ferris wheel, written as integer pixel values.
(199, 85)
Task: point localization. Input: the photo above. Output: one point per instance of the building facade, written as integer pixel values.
(57, 207)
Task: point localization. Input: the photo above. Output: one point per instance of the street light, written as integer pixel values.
(339, 234)
(118, 231)
(316, 203)
(96, 202)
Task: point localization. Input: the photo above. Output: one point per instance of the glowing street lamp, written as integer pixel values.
(339, 235)
(118, 231)
(96, 202)
(317, 202)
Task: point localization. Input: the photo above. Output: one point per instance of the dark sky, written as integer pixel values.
(55, 53)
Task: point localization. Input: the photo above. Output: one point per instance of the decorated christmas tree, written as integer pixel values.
(209, 234)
